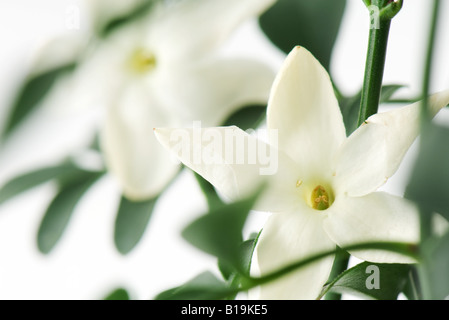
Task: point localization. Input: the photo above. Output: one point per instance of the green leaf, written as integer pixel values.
(371, 280)
(203, 287)
(312, 24)
(248, 117)
(246, 250)
(32, 92)
(226, 270)
(350, 112)
(131, 222)
(32, 179)
(430, 179)
(118, 294)
(435, 267)
(219, 232)
(60, 210)
(388, 91)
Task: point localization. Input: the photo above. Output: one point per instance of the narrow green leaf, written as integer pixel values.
(245, 252)
(226, 270)
(32, 92)
(388, 91)
(430, 179)
(131, 222)
(219, 232)
(32, 179)
(118, 294)
(60, 210)
(203, 287)
(350, 112)
(372, 280)
(312, 24)
(248, 117)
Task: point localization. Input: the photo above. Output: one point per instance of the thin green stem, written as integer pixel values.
(375, 64)
(426, 215)
(425, 116)
(413, 282)
(406, 249)
(340, 265)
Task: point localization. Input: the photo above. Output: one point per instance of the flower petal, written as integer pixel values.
(304, 109)
(210, 91)
(105, 70)
(375, 150)
(188, 29)
(375, 217)
(235, 162)
(361, 163)
(132, 152)
(285, 239)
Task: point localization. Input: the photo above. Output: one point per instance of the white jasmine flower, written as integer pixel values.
(324, 191)
(166, 71)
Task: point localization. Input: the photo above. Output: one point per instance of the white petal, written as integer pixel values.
(132, 152)
(235, 162)
(361, 162)
(189, 29)
(304, 109)
(375, 150)
(59, 51)
(210, 91)
(287, 238)
(375, 217)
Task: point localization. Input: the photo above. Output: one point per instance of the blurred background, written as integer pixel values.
(85, 263)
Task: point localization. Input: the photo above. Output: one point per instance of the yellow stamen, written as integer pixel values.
(320, 198)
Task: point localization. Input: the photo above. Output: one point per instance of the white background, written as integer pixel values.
(85, 264)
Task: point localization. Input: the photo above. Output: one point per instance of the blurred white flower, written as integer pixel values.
(101, 12)
(83, 20)
(324, 192)
(165, 70)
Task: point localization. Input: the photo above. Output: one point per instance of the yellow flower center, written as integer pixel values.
(142, 61)
(320, 198)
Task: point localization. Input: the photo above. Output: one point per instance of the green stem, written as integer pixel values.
(375, 64)
(426, 215)
(398, 247)
(425, 116)
(340, 265)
